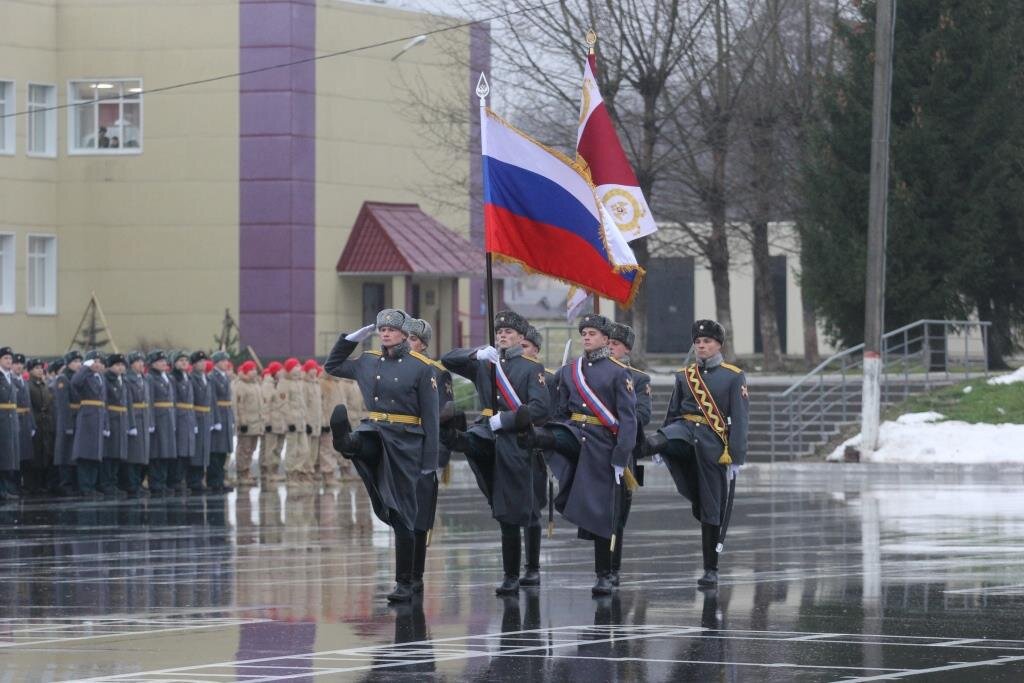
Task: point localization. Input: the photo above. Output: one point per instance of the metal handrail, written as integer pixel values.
(806, 412)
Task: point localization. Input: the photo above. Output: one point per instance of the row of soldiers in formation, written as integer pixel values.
(582, 426)
(99, 426)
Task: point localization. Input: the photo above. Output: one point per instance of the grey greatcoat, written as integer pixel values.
(426, 485)
(402, 382)
(119, 417)
(184, 415)
(65, 408)
(202, 402)
(586, 484)
(697, 475)
(9, 438)
(223, 413)
(26, 423)
(540, 467)
(163, 441)
(141, 417)
(91, 421)
(506, 476)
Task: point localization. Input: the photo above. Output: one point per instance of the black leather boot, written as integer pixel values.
(511, 556)
(709, 540)
(653, 445)
(532, 575)
(405, 549)
(602, 567)
(540, 438)
(343, 440)
(419, 561)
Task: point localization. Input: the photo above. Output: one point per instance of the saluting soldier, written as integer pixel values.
(91, 425)
(506, 381)
(703, 440)
(248, 400)
(296, 463)
(9, 427)
(26, 423)
(163, 442)
(141, 425)
(221, 444)
(65, 404)
(202, 408)
(620, 341)
(185, 428)
(590, 442)
(120, 422)
(398, 442)
(41, 474)
(275, 402)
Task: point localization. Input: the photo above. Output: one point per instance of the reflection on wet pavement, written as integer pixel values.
(832, 573)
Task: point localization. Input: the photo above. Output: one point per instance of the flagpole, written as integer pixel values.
(483, 89)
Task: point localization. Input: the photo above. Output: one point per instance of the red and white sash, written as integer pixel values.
(600, 410)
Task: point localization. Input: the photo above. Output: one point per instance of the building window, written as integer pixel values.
(42, 274)
(42, 120)
(105, 116)
(6, 273)
(7, 122)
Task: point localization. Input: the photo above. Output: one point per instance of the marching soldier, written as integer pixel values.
(141, 421)
(163, 442)
(221, 444)
(275, 402)
(420, 333)
(591, 440)
(398, 443)
(41, 475)
(620, 340)
(91, 426)
(185, 428)
(503, 469)
(202, 408)
(120, 422)
(249, 410)
(334, 392)
(542, 486)
(65, 404)
(703, 440)
(26, 423)
(10, 443)
(296, 455)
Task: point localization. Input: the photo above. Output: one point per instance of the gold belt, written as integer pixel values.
(201, 409)
(22, 411)
(138, 406)
(118, 409)
(699, 419)
(588, 419)
(163, 404)
(8, 406)
(98, 404)
(399, 419)
(184, 406)
(224, 404)
(74, 406)
(487, 412)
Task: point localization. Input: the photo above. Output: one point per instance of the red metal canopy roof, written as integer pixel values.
(401, 238)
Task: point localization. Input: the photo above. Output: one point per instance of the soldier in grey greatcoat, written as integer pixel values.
(119, 418)
(163, 444)
(620, 342)
(10, 455)
(202, 407)
(140, 408)
(222, 436)
(26, 423)
(532, 343)
(398, 442)
(691, 448)
(504, 470)
(65, 406)
(91, 426)
(185, 428)
(590, 442)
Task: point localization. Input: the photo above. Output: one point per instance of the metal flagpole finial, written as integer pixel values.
(483, 89)
(591, 39)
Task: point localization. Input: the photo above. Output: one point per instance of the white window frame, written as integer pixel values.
(50, 121)
(73, 150)
(7, 272)
(7, 125)
(51, 275)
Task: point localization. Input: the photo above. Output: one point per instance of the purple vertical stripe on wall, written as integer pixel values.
(479, 61)
(277, 174)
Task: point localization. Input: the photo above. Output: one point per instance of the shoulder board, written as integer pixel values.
(439, 365)
(551, 372)
(639, 372)
(730, 366)
(420, 357)
(372, 353)
(532, 360)
(619, 363)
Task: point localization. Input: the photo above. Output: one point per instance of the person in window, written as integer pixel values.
(103, 142)
(115, 142)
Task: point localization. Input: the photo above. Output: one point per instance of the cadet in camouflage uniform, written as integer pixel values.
(141, 421)
(275, 401)
(398, 443)
(248, 400)
(311, 385)
(221, 438)
(185, 428)
(504, 470)
(65, 406)
(691, 447)
(296, 455)
(120, 422)
(202, 408)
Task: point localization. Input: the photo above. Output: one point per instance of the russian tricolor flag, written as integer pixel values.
(541, 211)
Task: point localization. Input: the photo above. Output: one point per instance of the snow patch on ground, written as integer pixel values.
(1012, 378)
(922, 438)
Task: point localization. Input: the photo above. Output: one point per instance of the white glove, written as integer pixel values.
(195, 430)
(106, 433)
(618, 473)
(217, 427)
(152, 430)
(89, 362)
(656, 458)
(33, 432)
(488, 353)
(360, 334)
(133, 432)
(734, 470)
(426, 472)
(495, 422)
